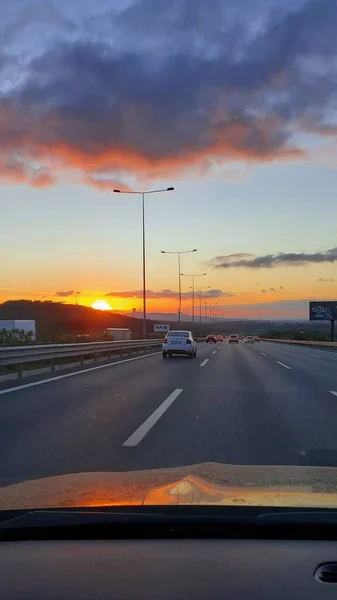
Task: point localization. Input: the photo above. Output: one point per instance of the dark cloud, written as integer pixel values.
(169, 294)
(169, 84)
(281, 287)
(66, 294)
(329, 280)
(269, 261)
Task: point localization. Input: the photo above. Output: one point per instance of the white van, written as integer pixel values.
(179, 342)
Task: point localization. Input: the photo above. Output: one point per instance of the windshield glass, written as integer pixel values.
(168, 170)
(178, 334)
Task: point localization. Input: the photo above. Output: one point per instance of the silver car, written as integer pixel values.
(179, 342)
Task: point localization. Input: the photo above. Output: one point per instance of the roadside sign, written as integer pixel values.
(323, 311)
(163, 328)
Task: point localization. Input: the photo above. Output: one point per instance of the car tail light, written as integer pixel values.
(188, 341)
(165, 341)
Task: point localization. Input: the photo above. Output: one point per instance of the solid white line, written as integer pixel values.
(204, 362)
(332, 392)
(28, 385)
(283, 365)
(263, 354)
(214, 352)
(141, 432)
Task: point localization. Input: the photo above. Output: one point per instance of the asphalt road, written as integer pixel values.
(239, 404)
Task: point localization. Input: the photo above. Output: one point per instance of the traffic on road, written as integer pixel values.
(259, 404)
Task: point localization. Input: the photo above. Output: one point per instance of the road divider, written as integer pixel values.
(301, 342)
(66, 375)
(52, 356)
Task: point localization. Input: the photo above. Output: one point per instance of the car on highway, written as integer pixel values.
(249, 339)
(211, 338)
(179, 342)
(233, 338)
(256, 338)
(219, 338)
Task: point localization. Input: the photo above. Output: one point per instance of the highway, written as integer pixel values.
(241, 404)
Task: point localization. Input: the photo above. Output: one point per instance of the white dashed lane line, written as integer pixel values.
(204, 362)
(332, 392)
(263, 354)
(214, 352)
(141, 432)
(283, 365)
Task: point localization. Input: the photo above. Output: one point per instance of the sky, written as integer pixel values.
(231, 103)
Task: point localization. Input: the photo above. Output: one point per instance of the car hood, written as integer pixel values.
(201, 484)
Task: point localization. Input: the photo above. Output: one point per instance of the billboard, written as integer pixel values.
(162, 328)
(323, 310)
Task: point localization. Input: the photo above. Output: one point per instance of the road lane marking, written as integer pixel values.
(283, 365)
(312, 355)
(263, 354)
(254, 349)
(204, 362)
(332, 392)
(214, 352)
(50, 379)
(141, 432)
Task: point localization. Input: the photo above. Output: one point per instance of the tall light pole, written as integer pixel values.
(193, 277)
(179, 269)
(207, 287)
(143, 194)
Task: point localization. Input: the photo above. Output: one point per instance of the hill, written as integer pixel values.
(57, 322)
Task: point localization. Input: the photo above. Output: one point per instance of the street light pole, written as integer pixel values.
(143, 194)
(207, 287)
(193, 276)
(179, 273)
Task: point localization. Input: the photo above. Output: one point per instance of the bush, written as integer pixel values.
(15, 337)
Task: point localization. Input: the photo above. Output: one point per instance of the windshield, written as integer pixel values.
(178, 334)
(168, 170)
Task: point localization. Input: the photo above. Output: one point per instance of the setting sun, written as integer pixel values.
(101, 305)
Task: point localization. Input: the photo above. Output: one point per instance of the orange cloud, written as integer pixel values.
(96, 164)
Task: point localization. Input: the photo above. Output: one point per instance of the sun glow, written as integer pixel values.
(101, 305)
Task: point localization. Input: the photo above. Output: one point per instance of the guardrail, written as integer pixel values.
(52, 353)
(301, 342)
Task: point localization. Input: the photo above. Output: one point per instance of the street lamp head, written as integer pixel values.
(195, 250)
(163, 251)
(170, 189)
(117, 191)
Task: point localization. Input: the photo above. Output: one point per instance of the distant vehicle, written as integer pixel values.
(256, 338)
(233, 338)
(117, 334)
(249, 339)
(219, 338)
(28, 326)
(179, 342)
(83, 337)
(211, 338)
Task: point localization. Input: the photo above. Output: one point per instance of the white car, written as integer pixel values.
(233, 338)
(179, 342)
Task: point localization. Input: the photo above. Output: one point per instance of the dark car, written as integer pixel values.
(211, 338)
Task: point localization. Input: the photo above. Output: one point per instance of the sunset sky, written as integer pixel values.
(232, 103)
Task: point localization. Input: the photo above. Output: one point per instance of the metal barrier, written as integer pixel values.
(301, 342)
(21, 355)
